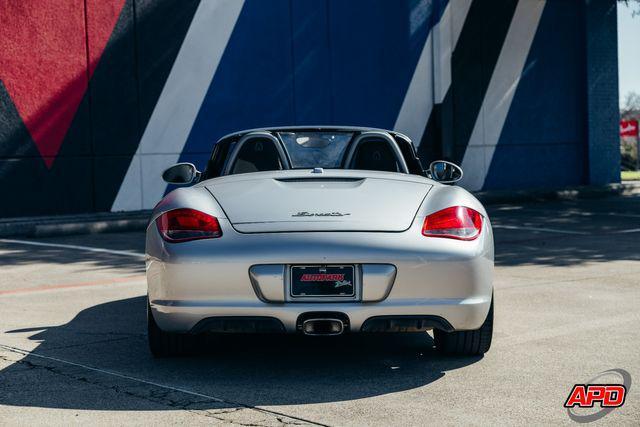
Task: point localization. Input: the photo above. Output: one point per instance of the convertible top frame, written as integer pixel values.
(224, 150)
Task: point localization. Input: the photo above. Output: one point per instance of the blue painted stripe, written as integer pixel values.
(314, 62)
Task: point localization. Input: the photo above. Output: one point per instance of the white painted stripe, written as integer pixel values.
(633, 230)
(613, 214)
(74, 247)
(418, 101)
(147, 382)
(502, 87)
(179, 102)
(445, 39)
(430, 83)
(546, 230)
(458, 17)
(565, 211)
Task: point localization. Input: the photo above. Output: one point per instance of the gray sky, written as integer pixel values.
(628, 49)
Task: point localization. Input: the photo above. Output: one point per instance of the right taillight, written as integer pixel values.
(456, 222)
(183, 225)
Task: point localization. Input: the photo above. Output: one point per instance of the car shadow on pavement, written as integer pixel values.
(239, 370)
(26, 255)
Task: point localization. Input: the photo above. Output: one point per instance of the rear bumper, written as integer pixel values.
(186, 315)
(191, 282)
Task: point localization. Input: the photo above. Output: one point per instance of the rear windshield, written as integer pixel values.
(315, 149)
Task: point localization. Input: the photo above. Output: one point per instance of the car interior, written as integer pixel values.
(257, 155)
(374, 154)
(265, 153)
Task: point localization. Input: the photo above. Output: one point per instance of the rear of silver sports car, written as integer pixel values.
(291, 253)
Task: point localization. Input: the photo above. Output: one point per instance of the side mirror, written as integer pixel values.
(444, 172)
(181, 173)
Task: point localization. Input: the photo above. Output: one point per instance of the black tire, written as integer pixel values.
(466, 343)
(166, 344)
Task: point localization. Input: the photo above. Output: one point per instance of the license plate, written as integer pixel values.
(322, 280)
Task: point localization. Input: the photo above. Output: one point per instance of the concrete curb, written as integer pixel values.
(61, 225)
(627, 188)
(105, 222)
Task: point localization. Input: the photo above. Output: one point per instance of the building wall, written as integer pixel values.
(98, 97)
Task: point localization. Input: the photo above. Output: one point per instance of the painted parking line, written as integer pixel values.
(632, 230)
(553, 212)
(151, 383)
(546, 230)
(615, 214)
(57, 286)
(554, 230)
(74, 247)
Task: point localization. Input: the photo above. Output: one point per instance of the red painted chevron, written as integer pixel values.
(44, 63)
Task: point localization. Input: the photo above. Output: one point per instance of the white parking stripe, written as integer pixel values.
(546, 230)
(147, 382)
(632, 230)
(75, 247)
(571, 211)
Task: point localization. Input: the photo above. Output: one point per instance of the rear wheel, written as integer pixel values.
(466, 343)
(165, 344)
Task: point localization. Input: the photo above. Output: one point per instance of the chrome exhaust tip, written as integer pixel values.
(323, 326)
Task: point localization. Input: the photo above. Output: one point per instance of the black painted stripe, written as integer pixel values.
(105, 132)
(474, 58)
(135, 66)
(28, 187)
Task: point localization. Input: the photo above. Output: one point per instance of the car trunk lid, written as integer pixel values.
(327, 203)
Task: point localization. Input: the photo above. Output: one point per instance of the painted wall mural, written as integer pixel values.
(97, 98)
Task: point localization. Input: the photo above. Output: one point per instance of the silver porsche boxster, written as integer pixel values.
(319, 231)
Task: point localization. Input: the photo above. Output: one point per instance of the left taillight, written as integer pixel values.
(456, 222)
(182, 225)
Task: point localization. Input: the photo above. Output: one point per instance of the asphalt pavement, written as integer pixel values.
(567, 292)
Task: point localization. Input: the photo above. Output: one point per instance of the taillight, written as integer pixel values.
(456, 222)
(182, 225)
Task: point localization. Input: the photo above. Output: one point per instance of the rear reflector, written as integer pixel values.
(456, 222)
(182, 225)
